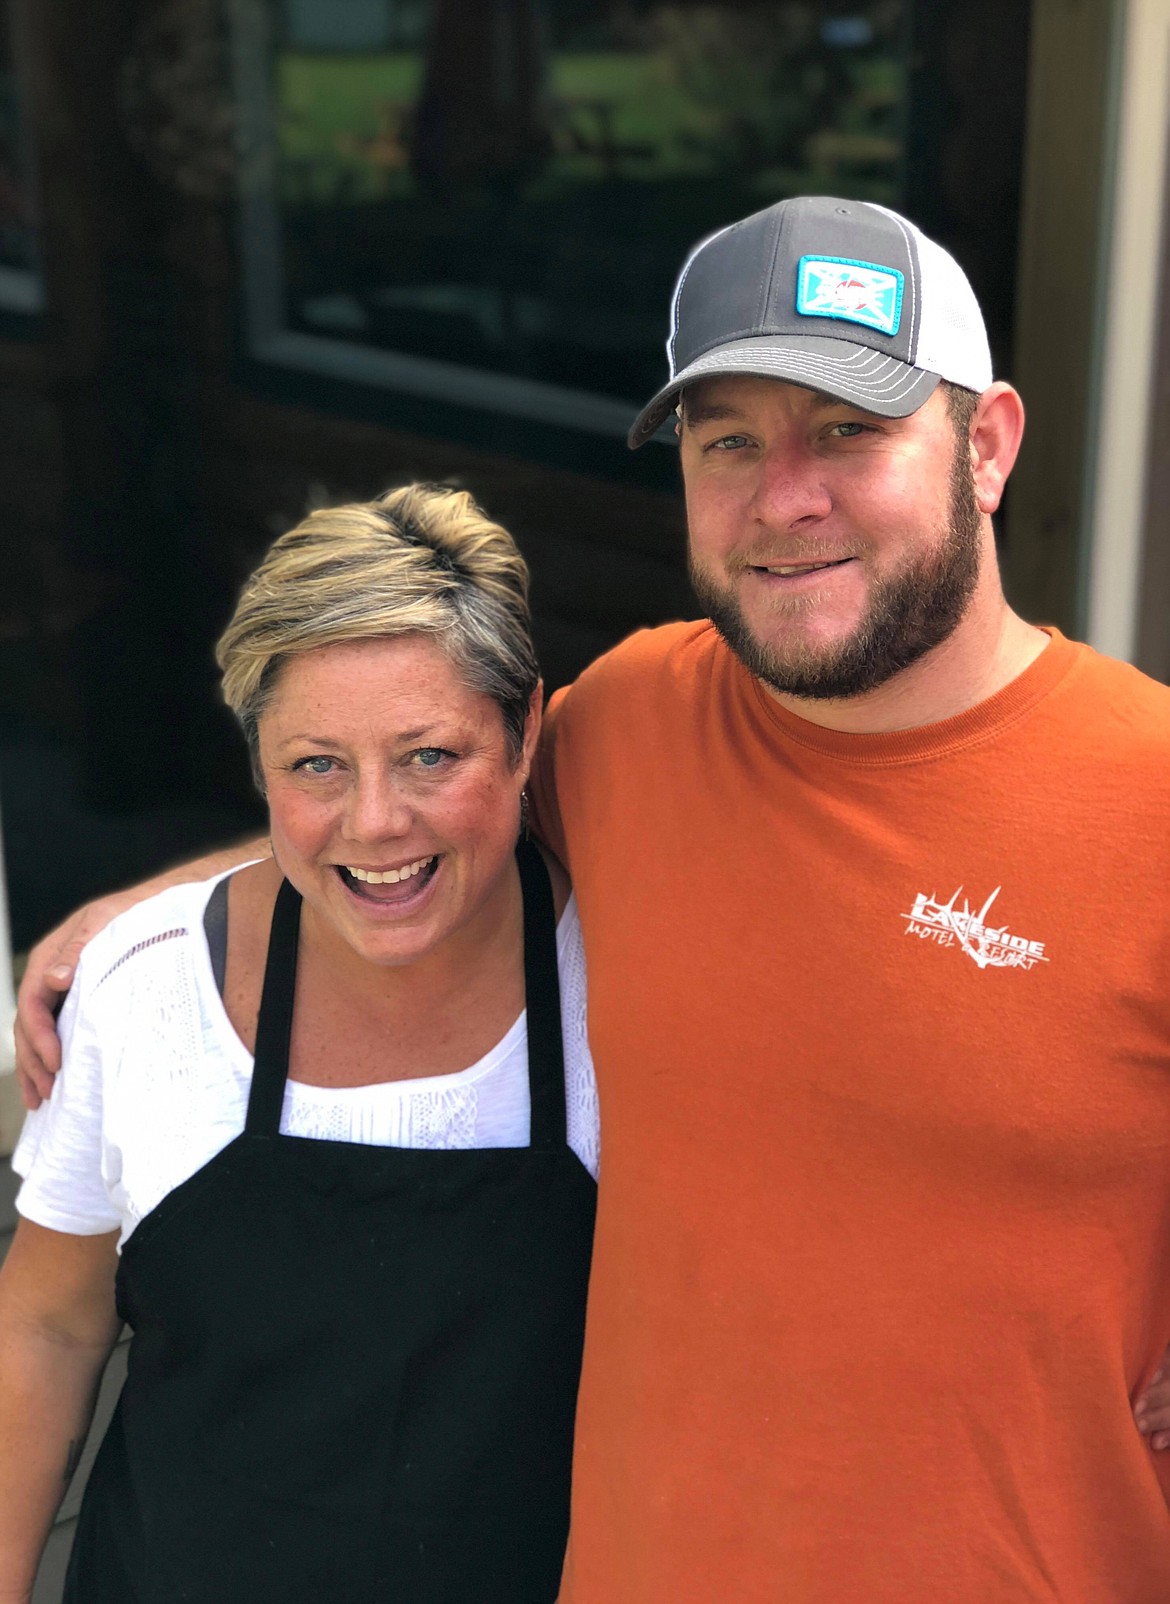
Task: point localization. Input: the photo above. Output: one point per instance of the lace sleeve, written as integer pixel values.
(59, 1154)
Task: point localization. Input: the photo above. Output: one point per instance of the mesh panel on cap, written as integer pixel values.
(951, 338)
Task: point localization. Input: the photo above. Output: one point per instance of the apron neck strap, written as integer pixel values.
(274, 1026)
(542, 992)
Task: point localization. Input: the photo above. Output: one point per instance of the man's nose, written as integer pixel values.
(790, 489)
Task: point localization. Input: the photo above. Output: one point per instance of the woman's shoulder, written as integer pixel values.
(173, 915)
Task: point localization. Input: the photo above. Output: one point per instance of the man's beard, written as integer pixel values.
(909, 613)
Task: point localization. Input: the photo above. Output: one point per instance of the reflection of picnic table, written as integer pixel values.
(600, 141)
(388, 148)
(831, 151)
(583, 125)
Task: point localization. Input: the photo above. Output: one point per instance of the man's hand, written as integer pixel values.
(52, 962)
(1152, 1410)
(51, 965)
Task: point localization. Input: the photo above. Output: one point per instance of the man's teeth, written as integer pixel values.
(389, 877)
(799, 568)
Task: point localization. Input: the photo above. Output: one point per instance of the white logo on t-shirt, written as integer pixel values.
(947, 924)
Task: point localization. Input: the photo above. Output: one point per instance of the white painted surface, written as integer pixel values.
(1132, 262)
(11, 1107)
(7, 999)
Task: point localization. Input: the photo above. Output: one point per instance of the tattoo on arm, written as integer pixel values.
(73, 1457)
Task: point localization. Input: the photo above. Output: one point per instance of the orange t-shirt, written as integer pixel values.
(882, 1034)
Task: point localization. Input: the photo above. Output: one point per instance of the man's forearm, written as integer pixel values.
(217, 862)
(51, 963)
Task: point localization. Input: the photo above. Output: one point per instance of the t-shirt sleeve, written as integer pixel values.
(59, 1155)
(546, 819)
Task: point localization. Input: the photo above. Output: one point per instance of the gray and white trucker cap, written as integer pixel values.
(838, 295)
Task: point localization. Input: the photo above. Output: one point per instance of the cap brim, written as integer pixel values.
(856, 374)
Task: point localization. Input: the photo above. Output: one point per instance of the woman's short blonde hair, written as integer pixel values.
(423, 560)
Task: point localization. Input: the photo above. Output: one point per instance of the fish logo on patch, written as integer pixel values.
(857, 292)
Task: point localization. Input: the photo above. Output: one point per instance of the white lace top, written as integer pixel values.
(155, 1080)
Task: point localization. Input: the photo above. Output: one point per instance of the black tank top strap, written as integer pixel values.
(215, 928)
(546, 1057)
(542, 990)
(274, 1026)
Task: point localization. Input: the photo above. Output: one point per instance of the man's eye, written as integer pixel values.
(729, 442)
(314, 765)
(848, 431)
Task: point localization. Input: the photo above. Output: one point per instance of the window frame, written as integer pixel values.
(270, 342)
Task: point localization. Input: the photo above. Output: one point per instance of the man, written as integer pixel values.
(871, 877)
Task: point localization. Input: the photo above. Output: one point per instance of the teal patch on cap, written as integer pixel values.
(856, 292)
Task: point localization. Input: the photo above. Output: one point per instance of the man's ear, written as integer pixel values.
(996, 431)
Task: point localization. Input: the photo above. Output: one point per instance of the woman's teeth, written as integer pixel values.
(389, 877)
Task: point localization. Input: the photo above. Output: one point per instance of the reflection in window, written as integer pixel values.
(489, 199)
(20, 285)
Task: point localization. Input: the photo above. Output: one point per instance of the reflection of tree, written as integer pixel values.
(486, 219)
(481, 116)
(766, 76)
(177, 111)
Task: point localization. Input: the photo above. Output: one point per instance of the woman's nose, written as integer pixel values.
(378, 809)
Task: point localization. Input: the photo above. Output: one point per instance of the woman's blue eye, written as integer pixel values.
(430, 756)
(316, 765)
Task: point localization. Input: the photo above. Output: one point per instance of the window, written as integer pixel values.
(487, 201)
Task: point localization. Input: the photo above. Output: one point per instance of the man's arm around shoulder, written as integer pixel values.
(52, 962)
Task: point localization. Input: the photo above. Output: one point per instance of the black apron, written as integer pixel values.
(354, 1368)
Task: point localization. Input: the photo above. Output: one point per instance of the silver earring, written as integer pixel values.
(524, 815)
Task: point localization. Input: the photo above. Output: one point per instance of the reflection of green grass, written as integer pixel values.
(612, 112)
(644, 107)
(323, 96)
(328, 107)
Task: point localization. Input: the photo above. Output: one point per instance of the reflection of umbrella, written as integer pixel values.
(480, 116)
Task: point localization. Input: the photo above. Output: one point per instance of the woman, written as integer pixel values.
(320, 1107)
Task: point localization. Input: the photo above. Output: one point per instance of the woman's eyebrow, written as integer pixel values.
(316, 738)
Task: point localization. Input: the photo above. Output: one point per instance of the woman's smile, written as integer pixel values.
(394, 887)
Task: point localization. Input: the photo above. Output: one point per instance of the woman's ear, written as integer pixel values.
(532, 720)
